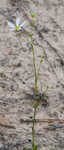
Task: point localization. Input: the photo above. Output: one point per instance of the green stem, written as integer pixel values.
(33, 130)
(34, 64)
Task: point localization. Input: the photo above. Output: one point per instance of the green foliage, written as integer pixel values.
(30, 34)
(27, 149)
(42, 58)
(34, 147)
(47, 86)
(32, 23)
(31, 44)
(36, 74)
(32, 15)
(36, 106)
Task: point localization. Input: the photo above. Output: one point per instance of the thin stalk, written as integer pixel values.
(33, 133)
(34, 64)
(33, 130)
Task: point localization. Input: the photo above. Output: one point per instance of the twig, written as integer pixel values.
(41, 121)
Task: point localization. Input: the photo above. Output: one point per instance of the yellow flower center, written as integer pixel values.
(17, 28)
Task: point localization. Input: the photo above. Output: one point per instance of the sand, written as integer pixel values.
(17, 77)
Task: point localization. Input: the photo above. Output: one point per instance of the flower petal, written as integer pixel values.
(20, 28)
(11, 24)
(17, 21)
(21, 25)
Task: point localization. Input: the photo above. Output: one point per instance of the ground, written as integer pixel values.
(17, 78)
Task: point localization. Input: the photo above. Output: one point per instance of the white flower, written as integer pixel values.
(16, 27)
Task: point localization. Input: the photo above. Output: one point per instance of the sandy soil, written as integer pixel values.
(16, 74)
